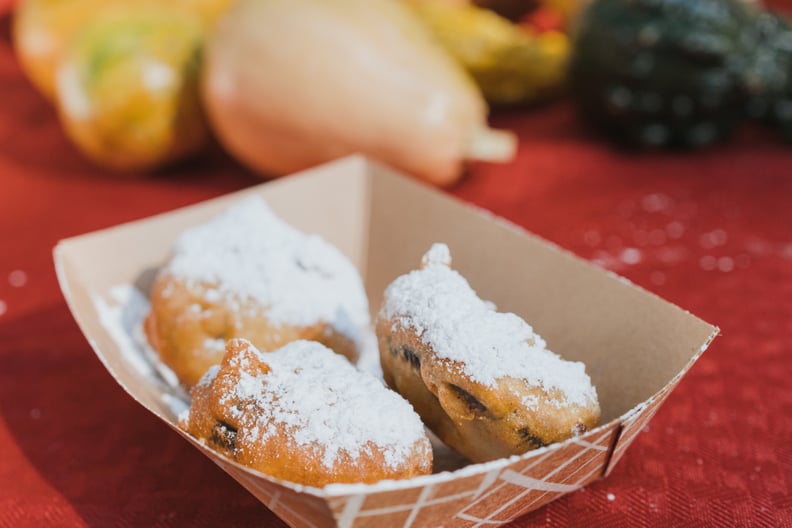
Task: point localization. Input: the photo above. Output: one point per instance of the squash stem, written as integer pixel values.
(488, 144)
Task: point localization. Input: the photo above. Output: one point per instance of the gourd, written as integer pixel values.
(292, 83)
(517, 9)
(511, 63)
(127, 88)
(769, 76)
(42, 29)
(664, 72)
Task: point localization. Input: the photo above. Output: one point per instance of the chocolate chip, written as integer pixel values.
(407, 354)
(473, 404)
(529, 438)
(224, 436)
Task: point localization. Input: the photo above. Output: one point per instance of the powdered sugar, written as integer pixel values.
(440, 306)
(323, 399)
(249, 253)
(437, 254)
(120, 314)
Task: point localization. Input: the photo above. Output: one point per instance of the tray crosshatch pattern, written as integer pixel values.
(492, 498)
(496, 497)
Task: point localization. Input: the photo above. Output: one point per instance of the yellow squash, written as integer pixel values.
(510, 63)
(515, 9)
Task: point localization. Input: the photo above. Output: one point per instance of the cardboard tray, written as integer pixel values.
(636, 346)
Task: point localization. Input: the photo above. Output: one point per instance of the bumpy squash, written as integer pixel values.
(43, 28)
(667, 72)
(40, 32)
(769, 76)
(127, 88)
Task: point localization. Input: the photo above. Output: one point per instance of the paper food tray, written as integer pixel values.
(636, 346)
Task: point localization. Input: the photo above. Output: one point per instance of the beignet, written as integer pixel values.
(248, 274)
(305, 414)
(483, 381)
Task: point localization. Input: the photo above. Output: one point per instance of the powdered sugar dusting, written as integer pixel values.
(119, 315)
(444, 311)
(122, 315)
(323, 399)
(437, 254)
(249, 253)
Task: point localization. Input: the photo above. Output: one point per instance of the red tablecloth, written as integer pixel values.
(711, 231)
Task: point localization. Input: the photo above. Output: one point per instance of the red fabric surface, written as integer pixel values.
(711, 231)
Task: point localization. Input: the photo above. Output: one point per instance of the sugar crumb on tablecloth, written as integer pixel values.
(708, 262)
(712, 239)
(725, 264)
(17, 278)
(675, 229)
(630, 255)
(656, 202)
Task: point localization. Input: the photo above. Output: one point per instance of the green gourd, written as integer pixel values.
(666, 72)
(769, 76)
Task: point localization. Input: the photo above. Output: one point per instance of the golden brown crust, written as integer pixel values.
(189, 331)
(214, 417)
(480, 422)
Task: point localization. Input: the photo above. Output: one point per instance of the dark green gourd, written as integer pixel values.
(768, 80)
(666, 72)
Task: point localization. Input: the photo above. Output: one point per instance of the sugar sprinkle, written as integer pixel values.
(119, 314)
